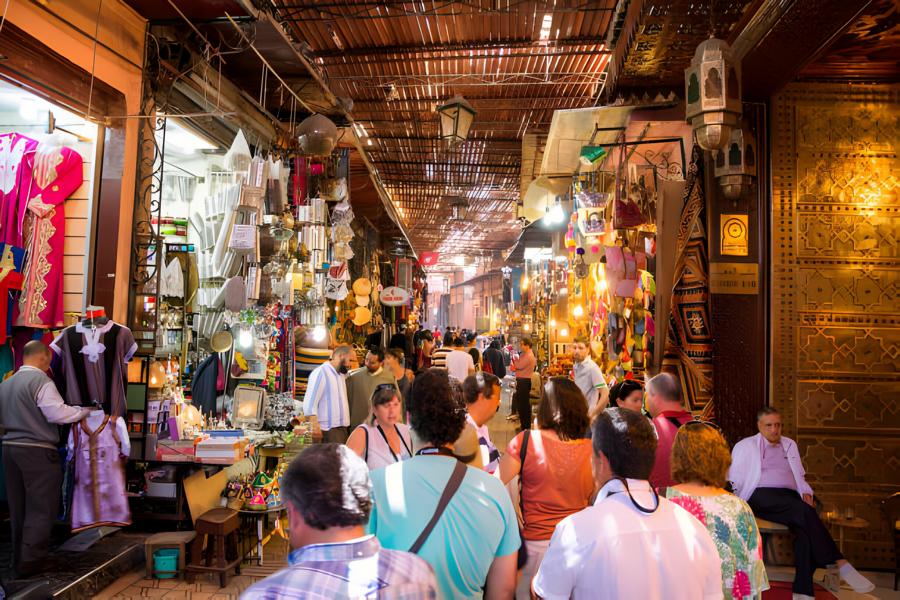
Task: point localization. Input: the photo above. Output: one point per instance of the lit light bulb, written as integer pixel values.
(603, 285)
(527, 327)
(245, 339)
(525, 282)
(563, 332)
(578, 312)
(552, 322)
(319, 333)
(556, 214)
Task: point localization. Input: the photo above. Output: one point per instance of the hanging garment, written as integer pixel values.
(49, 175)
(99, 445)
(93, 365)
(13, 148)
(204, 387)
(11, 279)
(172, 283)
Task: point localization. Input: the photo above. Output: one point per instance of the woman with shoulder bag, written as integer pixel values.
(386, 440)
(553, 463)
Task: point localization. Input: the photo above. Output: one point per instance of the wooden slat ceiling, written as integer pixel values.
(398, 60)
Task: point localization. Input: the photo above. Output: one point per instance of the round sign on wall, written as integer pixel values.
(394, 296)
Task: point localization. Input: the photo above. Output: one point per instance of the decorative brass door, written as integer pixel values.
(835, 371)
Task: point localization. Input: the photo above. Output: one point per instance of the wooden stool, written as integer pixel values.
(218, 530)
(766, 530)
(171, 539)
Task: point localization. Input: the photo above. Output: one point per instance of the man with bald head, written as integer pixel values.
(667, 410)
(30, 410)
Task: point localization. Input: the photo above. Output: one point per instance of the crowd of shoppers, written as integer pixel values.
(606, 481)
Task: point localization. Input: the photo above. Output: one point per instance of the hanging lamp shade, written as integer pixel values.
(317, 135)
(457, 116)
(736, 163)
(460, 208)
(713, 94)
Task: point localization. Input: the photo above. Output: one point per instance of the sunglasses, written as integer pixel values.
(698, 423)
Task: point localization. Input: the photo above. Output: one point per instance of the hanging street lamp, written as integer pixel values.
(736, 163)
(459, 207)
(713, 94)
(456, 120)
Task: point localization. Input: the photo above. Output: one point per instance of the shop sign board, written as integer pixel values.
(394, 296)
(734, 278)
(735, 240)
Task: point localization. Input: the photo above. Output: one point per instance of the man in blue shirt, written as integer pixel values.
(473, 545)
(327, 493)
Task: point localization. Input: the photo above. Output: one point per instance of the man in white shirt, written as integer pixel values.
(631, 543)
(588, 376)
(459, 362)
(326, 396)
(482, 395)
(766, 471)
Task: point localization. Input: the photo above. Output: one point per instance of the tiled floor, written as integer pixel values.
(205, 587)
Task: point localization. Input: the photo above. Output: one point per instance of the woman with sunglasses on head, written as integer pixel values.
(553, 463)
(385, 440)
(700, 462)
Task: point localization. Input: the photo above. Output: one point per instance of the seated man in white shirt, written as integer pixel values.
(767, 473)
(631, 543)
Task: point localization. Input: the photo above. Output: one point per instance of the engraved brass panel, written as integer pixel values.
(835, 371)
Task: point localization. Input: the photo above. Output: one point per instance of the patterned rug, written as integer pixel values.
(781, 590)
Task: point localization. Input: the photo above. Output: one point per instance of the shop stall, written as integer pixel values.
(593, 267)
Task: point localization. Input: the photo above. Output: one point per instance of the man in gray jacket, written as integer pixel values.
(30, 409)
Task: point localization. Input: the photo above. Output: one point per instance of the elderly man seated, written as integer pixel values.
(766, 472)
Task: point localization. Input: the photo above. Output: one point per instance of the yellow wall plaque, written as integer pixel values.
(734, 234)
(734, 278)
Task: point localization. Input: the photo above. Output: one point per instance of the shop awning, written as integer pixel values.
(572, 129)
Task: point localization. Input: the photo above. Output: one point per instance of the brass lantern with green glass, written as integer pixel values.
(713, 94)
(456, 120)
(736, 163)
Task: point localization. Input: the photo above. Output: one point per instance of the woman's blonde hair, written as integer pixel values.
(700, 454)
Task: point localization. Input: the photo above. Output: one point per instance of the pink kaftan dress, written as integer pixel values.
(50, 175)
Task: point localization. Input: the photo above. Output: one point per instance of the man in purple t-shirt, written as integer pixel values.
(667, 410)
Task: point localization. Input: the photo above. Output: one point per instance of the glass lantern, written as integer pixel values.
(736, 163)
(456, 120)
(713, 94)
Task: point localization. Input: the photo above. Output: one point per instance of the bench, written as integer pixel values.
(766, 530)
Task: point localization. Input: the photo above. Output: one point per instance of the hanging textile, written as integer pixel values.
(99, 446)
(35, 180)
(93, 365)
(689, 346)
(11, 259)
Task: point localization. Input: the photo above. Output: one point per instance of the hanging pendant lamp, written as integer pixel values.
(713, 94)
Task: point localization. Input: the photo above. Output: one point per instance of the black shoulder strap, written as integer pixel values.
(523, 452)
(674, 422)
(456, 478)
(366, 432)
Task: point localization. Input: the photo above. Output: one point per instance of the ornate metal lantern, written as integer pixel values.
(456, 120)
(460, 208)
(736, 163)
(713, 94)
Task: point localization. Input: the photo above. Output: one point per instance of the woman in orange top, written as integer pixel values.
(555, 476)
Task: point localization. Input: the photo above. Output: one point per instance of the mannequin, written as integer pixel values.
(99, 446)
(92, 356)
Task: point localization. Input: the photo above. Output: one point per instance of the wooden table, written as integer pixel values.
(842, 523)
(261, 517)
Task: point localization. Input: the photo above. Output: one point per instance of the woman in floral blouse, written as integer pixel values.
(700, 461)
